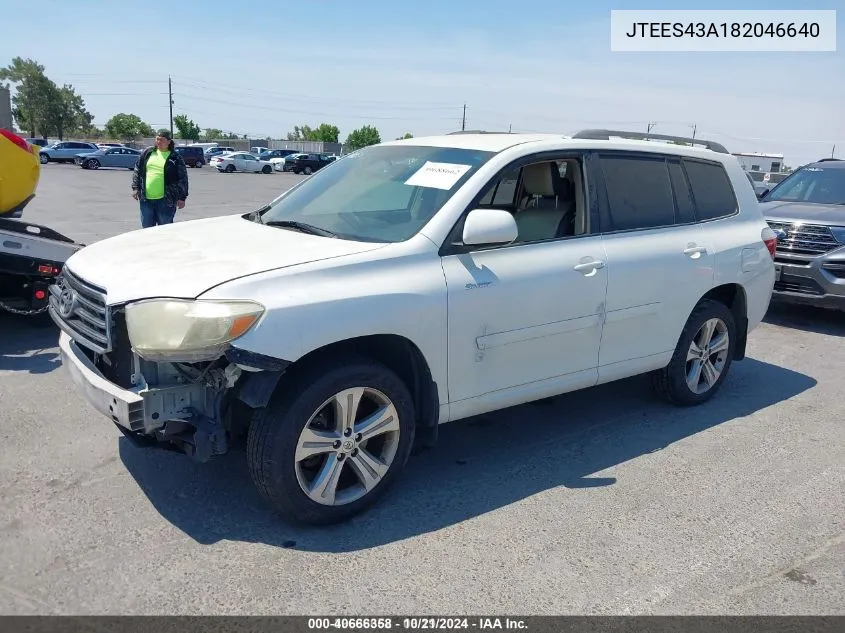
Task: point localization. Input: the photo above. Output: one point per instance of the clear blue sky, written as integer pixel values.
(409, 66)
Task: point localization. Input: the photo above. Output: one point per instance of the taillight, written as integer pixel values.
(17, 140)
(770, 239)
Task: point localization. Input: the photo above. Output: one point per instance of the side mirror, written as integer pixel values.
(489, 227)
(762, 193)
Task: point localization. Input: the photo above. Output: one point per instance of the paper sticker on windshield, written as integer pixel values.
(438, 175)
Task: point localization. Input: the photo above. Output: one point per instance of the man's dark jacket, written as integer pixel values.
(175, 177)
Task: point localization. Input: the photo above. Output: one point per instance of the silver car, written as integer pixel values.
(807, 210)
(124, 157)
(65, 151)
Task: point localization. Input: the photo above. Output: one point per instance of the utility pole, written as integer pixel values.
(464, 119)
(170, 94)
(650, 125)
(694, 128)
(509, 130)
(833, 151)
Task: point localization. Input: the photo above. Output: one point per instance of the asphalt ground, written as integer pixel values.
(602, 501)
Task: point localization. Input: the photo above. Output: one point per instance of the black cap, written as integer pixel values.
(165, 134)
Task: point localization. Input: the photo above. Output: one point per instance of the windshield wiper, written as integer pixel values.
(301, 226)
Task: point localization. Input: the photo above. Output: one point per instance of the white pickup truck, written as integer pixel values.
(414, 283)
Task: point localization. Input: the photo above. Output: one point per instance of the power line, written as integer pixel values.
(254, 106)
(241, 89)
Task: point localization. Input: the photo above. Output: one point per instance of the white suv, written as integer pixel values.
(414, 283)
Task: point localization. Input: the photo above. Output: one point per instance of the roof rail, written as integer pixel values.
(604, 135)
(476, 132)
(823, 160)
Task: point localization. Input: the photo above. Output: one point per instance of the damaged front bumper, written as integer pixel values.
(186, 417)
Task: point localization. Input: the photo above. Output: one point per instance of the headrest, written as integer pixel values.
(537, 179)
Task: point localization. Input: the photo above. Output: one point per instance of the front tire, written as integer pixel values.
(332, 442)
(702, 357)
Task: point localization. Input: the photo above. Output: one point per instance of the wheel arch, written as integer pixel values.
(396, 352)
(734, 297)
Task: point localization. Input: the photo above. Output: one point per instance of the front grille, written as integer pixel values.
(81, 308)
(804, 239)
(799, 285)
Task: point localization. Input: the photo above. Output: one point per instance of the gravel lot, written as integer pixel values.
(603, 501)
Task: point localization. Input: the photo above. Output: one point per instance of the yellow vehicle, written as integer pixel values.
(20, 170)
(31, 255)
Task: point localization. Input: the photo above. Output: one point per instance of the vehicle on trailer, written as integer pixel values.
(31, 255)
(411, 284)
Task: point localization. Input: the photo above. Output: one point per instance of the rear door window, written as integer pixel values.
(639, 192)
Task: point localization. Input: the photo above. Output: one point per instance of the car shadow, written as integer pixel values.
(28, 344)
(479, 465)
(806, 318)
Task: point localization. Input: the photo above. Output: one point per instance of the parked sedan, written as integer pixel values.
(124, 157)
(241, 161)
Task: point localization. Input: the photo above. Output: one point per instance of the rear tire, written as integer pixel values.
(230, 169)
(266, 169)
(702, 357)
(282, 461)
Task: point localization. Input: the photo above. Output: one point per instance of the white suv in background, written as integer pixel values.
(414, 283)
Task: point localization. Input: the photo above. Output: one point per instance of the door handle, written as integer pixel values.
(693, 250)
(589, 266)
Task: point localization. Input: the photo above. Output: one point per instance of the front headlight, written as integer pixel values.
(178, 330)
(838, 233)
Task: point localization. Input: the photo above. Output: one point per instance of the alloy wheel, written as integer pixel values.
(707, 355)
(347, 446)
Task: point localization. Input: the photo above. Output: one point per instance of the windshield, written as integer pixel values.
(382, 193)
(814, 185)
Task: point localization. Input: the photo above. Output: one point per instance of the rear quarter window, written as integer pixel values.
(712, 192)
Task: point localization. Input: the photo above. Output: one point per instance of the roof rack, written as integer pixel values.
(605, 135)
(824, 160)
(476, 132)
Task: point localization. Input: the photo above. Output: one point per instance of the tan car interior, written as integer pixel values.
(551, 205)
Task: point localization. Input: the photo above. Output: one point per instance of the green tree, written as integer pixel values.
(300, 133)
(407, 135)
(186, 128)
(39, 105)
(212, 134)
(127, 127)
(66, 113)
(325, 132)
(362, 137)
(32, 93)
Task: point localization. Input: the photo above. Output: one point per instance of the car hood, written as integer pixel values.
(185, 259)
(828, 214)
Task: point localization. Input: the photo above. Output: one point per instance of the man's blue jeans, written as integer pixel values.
(155, 212)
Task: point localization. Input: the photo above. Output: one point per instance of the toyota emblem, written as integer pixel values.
(67, 301)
